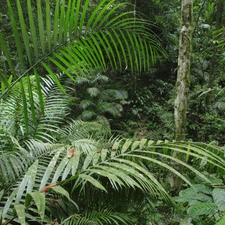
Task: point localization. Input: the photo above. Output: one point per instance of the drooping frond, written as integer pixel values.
(65, 37)
(12, 165)
(27, 135)
(23, 123)
(99, 218)
(80, 130)
(86, 165)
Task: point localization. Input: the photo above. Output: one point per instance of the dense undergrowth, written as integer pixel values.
(86, 115)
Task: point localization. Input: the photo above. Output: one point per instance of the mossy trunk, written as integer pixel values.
(183, 80)
(183, 73)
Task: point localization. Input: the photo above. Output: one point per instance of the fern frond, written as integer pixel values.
(86, 165)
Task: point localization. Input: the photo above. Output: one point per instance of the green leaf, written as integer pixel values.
(39, 200)
(56, 23)
(60, 169)
(50, 169)
(41, 26)
(219, 198)
(40, 95)
(96, 158)
(92, 181)
(54, 77)
(4, 82)
(135, 144)
(96, 15)
(126, 145)
(9, 201)
(93, 92)
(83, 16)
(128, 174)
(8, 57)
(60, 190)
(74, 18)
(28, 181)
(103, 171)
(25, 108)
(72, 165)
(31, 17)
(19, 44)
(115, 147)
(88, 160)
(142, 143)
(1, 194)
(24, 32)
(1, 215)
(202, 209)
(66, 21)
(20, 211)
(104, 153)
(48, 25)
(31, 99)
(221, 221)
(62, 24)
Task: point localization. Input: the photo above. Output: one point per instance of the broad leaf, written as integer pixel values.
(219, 198)
(39, 201)
(20, 211)
(202, 209)
(92, 181)
(61, 191)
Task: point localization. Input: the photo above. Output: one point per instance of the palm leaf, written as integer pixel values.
(92, 162)
(39, 199)
(65, 13)
(67, 38)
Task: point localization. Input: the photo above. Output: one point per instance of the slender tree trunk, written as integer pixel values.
(183, 74)
(183, 82)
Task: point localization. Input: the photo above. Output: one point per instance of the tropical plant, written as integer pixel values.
(96, 102)
(22, 132)
(72, 39)
(202, 202)
(91, 171)
(221, 221)
(57, 170)
(69, 39)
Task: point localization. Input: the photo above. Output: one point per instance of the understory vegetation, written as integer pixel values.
(87, 114)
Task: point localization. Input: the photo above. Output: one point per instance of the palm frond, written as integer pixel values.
(103, 217)
(87, 165)
(70, 40)
(12, 166)
(78, 130)
(22, 142)
(33, 123)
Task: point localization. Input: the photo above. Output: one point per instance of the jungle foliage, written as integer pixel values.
(86, 114)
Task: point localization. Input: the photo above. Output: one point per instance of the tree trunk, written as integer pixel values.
(183, 82)
(183, 73)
